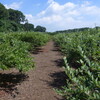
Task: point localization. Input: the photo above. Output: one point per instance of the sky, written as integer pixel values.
(58, 14)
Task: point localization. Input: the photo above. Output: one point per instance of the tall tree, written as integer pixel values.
(3, 18)
(15, 15)
(28, 27)
(40, 29)
(3, 12)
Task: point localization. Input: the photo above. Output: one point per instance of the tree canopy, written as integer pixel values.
(28, 27)
(14, 20)
(40, 29)
(3, 12)
(15, 15)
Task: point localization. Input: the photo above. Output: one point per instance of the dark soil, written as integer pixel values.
(39, 83)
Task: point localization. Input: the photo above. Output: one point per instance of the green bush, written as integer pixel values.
(82, 66)
(15, 47)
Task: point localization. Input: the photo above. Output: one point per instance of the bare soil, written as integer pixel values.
(39, 83)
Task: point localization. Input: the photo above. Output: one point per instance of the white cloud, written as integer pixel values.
(14, 5)
(69, 15)
(50, 1)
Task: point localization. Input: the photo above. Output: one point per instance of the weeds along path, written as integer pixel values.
(48, 74)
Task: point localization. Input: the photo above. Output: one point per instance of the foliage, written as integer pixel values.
(15, 15)
(28, 27)
(3, 12)
(76, 30)
(40, 29)
(14, 49)
(36, 39)
(82, 66)
(14, 20)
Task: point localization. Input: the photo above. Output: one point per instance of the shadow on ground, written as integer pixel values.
(56, 49)
(37, 50)
(9, 82)
(59, 62)
(59, 79)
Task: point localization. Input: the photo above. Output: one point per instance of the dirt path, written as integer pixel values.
(47, 75)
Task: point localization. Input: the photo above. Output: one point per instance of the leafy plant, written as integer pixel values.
(15, 47)
(82, 66)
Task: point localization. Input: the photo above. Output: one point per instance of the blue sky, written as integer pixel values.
(58, 14)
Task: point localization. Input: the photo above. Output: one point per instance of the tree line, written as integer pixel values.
(77, 30)
(14, 20)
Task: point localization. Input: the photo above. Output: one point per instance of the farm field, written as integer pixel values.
(82, 64)
(15, 49)
(40, 81)
(63, 66)
(50, 50)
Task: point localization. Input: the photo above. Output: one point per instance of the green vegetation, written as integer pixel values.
(11, 20)
(40, 29)
(81, 48)
(81, 63)
(76, 30)
(15, 49)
